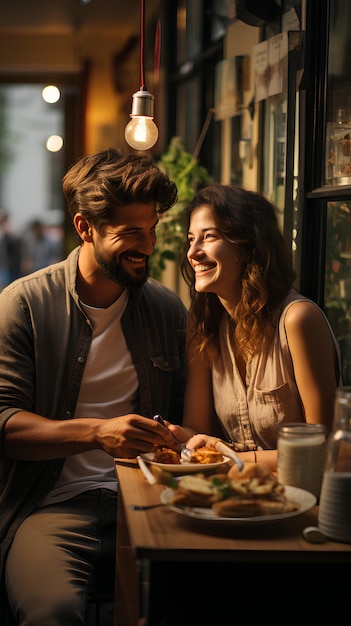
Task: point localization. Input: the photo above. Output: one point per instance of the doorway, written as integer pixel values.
(39, 140)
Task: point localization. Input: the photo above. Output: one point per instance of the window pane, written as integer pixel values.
(30, 175)
(189, 30)
(188, 107)
(338, 144)
(338, 278)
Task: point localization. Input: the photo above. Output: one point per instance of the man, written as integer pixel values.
(39, 248)
(90, 350)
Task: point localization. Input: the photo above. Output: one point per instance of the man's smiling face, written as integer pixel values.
(122, 249)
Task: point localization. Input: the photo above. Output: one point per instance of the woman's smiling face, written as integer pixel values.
(218, 264)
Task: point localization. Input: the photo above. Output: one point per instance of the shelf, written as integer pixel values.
(332, 192)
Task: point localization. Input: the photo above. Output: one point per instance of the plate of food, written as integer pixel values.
(249, 498)
(202, 460)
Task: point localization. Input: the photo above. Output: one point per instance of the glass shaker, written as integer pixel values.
(334, 517)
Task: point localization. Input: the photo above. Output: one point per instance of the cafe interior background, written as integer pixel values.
(254, 92)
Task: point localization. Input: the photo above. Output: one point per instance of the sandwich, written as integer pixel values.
(251, 492)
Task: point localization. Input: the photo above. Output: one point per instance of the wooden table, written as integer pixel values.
(167, 564)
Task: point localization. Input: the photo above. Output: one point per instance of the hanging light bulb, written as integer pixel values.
(141, 133)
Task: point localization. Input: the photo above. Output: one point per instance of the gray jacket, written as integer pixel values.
(44, 342)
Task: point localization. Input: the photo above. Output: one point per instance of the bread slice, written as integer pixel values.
(248, 507)
(195, 490)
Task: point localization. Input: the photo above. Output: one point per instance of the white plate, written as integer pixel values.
(184, 468)
(303, 499)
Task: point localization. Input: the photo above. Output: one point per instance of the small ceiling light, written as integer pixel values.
(54, 143)
(141, 133)
(51, 94)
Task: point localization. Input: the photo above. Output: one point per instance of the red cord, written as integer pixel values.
(142, 44)
(157, 52)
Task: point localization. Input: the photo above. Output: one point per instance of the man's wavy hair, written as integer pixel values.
(249, 220)
(98, 184)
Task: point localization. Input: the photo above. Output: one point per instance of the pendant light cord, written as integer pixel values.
(157, 52)
(142, 44)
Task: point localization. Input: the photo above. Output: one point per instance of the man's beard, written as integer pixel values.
(115, 272)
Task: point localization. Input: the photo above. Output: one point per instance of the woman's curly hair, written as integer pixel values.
(250, 221)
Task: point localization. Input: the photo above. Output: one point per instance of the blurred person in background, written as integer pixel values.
(39, 249)
(10, 252)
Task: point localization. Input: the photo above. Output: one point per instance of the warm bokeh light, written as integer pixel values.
(54, 143)
(51, 94)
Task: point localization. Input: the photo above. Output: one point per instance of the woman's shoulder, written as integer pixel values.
(294, 296)
(302, 314)
(297, 308)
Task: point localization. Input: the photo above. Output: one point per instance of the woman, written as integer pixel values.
(259, 353)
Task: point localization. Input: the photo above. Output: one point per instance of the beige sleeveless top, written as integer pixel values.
(250, 416)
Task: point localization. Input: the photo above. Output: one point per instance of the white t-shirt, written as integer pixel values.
(109, 388)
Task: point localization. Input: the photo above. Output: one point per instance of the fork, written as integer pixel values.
(145, 507)
(185, 453)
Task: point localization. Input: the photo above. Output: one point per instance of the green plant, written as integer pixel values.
(189, 176)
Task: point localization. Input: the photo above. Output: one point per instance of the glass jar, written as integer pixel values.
(338, 162)
(301, 456)
(335, 501)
